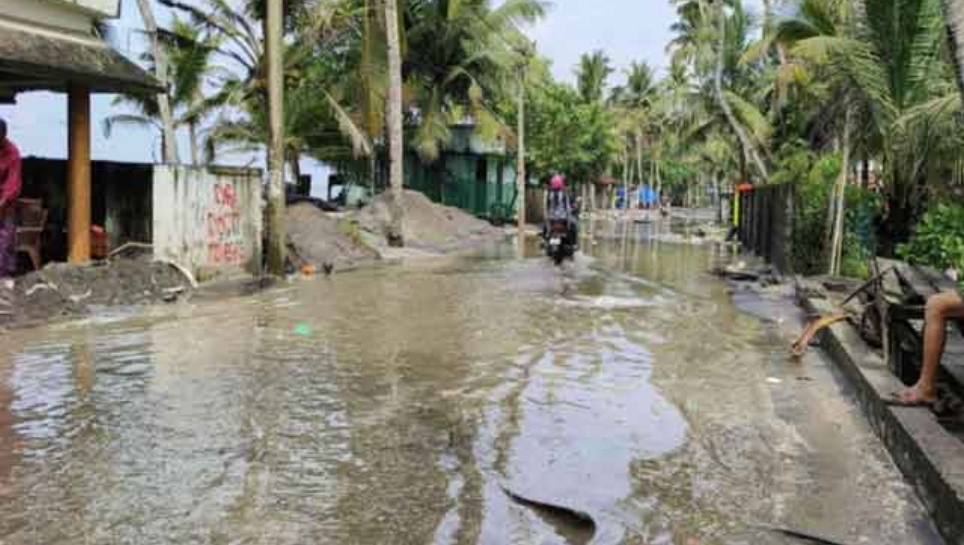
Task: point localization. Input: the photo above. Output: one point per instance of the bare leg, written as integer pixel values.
(940, 308)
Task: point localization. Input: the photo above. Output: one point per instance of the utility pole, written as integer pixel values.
(521, 166)
(273, 24)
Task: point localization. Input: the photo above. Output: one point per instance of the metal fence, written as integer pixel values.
(766, 224)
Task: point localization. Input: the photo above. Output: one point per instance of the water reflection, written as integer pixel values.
(394, 406)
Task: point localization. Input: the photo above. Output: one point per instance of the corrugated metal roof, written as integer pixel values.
(39, 61)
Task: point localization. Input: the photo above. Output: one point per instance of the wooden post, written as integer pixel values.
(78, 174)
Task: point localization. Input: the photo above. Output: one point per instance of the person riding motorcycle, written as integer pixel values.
(559, 205)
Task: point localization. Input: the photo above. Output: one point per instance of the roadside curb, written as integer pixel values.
(930, 458)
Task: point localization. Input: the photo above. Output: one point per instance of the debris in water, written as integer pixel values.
(574, 517)
(807, 536)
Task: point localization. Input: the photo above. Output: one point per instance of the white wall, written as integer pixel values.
(208, 220)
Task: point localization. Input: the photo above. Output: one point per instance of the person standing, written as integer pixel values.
(10, 184)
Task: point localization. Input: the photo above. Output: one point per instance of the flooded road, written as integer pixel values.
(399, 405)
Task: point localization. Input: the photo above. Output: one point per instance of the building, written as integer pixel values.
(52, 45)
(473, 173)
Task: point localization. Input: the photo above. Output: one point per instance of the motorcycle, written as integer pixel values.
(561, 240)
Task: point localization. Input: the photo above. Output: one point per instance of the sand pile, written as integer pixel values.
(66, 291)
(325, 239)
(427, 225)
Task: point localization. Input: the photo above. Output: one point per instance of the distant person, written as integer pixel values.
(941, 308)
(559, 204)
(10, 184)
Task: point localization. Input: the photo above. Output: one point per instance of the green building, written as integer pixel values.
(472, 173)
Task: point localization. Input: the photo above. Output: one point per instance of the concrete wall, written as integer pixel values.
(208, 220)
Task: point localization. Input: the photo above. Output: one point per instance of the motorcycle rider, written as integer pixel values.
(559, 205)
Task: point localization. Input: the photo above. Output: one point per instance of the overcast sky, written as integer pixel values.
(627, 30)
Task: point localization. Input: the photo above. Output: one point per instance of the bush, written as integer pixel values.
(863, 209)
(812, 207)
(812, 202)
(938, 240)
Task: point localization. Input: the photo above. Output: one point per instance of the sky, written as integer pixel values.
(628, 30)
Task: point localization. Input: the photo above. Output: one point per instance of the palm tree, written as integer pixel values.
(892, 62)
(593, 71)
(732, 40)
(712, 38)
(461, 57)
(241, 95)
(634, 102)
(818, 20)
(160, 70)
(189, 55)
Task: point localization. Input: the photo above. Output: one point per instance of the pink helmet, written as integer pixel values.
(558, 183)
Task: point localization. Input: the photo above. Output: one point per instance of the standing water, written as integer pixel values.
(421, 404)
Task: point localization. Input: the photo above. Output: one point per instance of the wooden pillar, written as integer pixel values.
(78, 174)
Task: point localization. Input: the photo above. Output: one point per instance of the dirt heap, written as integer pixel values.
(325, 240)
(65, 291)
(427, 225)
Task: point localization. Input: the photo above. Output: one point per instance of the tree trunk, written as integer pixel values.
(840, 193)
(192, 134)
(639, 166)
(394, 110)
(274, 53)
(520, 169)
(750, 152)
(954, 15)
(160, 71)
(659, 181)
(719, 198)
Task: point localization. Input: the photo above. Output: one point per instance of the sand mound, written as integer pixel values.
(427, 224)
(65, 291)
(324, 239)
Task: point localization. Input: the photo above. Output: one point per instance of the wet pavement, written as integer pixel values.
(400, 405)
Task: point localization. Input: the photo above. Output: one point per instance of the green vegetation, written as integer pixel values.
(939, 239)
(828, 95)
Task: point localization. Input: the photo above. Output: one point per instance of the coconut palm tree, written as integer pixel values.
(241, 88)
(189, 58)
(162, 100)
(591, 74)
(818, 20)
(892, 62)
(460, 57)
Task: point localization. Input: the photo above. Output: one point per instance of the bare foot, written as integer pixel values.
(917, 395)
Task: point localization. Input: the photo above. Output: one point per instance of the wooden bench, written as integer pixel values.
(901, 301)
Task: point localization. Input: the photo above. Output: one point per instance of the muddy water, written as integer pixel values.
(399, 406)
